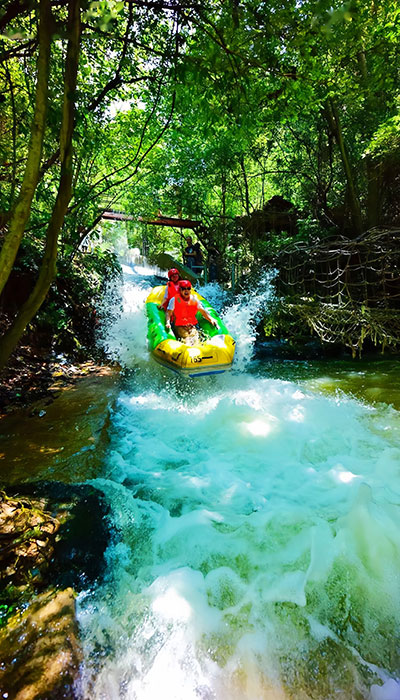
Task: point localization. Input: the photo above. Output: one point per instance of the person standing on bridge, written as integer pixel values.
(192, 256)
(189, 254)
(184, 307)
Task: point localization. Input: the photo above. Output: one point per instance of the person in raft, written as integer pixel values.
(171, 289)
(184, 307)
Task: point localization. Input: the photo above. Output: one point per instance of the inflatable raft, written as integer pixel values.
(213, 355)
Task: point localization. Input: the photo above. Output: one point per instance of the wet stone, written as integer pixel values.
(63, 439)
(40, 650)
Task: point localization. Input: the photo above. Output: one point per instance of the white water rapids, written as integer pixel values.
(256, 550)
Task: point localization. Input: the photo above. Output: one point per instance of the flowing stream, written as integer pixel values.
(256, 518)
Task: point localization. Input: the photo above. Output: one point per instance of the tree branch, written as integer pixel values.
(21, 211)
(116, 80)
(48, 266)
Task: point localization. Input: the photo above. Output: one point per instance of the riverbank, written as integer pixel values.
(34, 375)
(54, 539)
(54, 528)
(63, 436)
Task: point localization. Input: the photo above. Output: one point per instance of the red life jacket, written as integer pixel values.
(172, 290)
(185, 311)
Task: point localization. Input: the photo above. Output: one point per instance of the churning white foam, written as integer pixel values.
(124, 329)
(257, 546)
(242, 316)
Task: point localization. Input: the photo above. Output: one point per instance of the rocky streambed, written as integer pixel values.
(54, 529)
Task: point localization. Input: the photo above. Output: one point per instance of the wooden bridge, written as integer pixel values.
(117, 216)
(173, 221)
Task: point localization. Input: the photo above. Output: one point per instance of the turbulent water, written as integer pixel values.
(256, 549)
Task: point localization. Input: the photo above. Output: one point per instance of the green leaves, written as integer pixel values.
(250, 88)
(104, 13)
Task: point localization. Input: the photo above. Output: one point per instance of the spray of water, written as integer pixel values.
(124, 327)
(243, 315)
(257, 546)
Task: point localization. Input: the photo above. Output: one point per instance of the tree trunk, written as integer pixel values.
(373, 169)
(334, 122)
(223, 196)
(48, 266)
(22, 208)
(246, 186)
(374, 193)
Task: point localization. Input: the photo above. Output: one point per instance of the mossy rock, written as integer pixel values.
(53, 534)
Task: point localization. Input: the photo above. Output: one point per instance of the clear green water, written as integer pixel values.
(370, 380)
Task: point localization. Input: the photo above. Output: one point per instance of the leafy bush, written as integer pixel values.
(67, 321)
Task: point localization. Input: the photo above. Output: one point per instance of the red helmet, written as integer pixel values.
(184, 284)
(172, 272)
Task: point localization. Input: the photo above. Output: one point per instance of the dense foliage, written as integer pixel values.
(207, 109)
